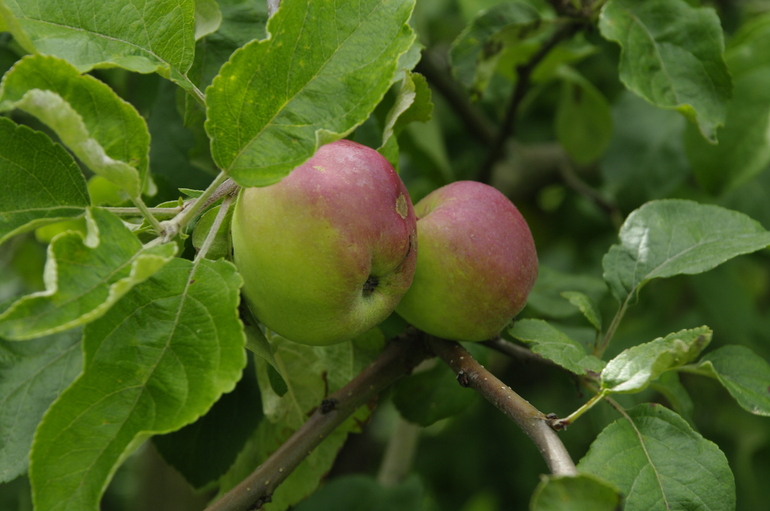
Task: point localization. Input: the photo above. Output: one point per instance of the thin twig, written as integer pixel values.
(156, 212)
(214, 229)
(524, 72)
(473, 119)
(399, 453)
(516, 351)
(573, 180)
(219, 188)
(398, 359)
(531, 420)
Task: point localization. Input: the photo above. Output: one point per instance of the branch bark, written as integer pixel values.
(398, 359)
(531, 420)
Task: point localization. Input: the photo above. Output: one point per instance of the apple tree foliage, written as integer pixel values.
(632, 135)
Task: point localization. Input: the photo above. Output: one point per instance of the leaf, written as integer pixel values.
(319, 75)
(173, 144)
(42, 184)
(585, 305)
(105, 132)
(429, 396)
(32, 375)
(672, 237)
(636, 367)
(242, 22)
(358, 492)
(413, 104)
(744, 374)
(310, 373)
(645, 158)
(476, 51)
(202, 451)
(583, 492)
(672, 56)
(84, 278)
(149, 37)
(547, 295)
(744, 51)
(155, 362)
(583, 118)
(553, 344)
(676, 394)
(743, 151)
(208, 17)
(257, 343)
(658, 462)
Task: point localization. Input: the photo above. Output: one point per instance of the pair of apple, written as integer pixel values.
(332, 249)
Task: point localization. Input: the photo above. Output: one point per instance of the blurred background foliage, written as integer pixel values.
(574, 202)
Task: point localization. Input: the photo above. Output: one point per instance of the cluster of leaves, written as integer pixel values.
(131, 327)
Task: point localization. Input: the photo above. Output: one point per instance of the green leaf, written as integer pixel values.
(202, 451)
(84, 277)
(358, 492)
(583, 492)
(645, 159)
(586, 306)
(660, 463)
(148, 37)
(155, 362)
(319, 75)
(743, 151)
(310, 373)
(242, 21)
(504, 28)
(257, 343)
(743, 373)
(32, 375)
(42, 184)
(208, 17)
(636, 367)
(672, 237)
(8, 23)
(745, 49)
(553, 344)
(676, 394)
(547, 296)
(429, 396)
(105, 132)
(583, 118)
(672, 55)
(412, 104)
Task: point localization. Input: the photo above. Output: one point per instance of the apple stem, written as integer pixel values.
(531, 420)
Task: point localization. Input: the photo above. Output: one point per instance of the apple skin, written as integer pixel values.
(327, 252)
(476, 265)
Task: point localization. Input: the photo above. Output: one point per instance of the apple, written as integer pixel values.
(327, 252)
(476, 265)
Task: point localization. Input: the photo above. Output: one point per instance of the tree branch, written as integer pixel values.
(524, 72)
(398, 359)
(531, 420)
(439, 76)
